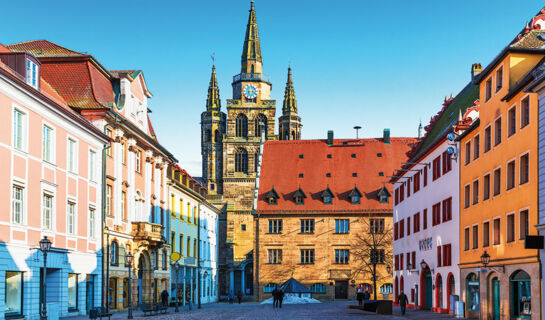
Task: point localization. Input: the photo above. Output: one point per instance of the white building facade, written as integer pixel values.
(208, 242)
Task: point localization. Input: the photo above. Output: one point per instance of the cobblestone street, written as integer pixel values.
(251, 310)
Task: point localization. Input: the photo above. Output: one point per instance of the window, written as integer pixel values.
(487, 139)
(466, 238)
(92, 165)
(108, 149)
(71, 217)
(355, 199)
(396, 228)
(19, 129)
(14, 294)
(468, 152)
(275, 256)
(342, 225)
(301, 175)
(408, 226)
(523, 224)
(499, 79)
(108, 208)
(260, 125)
(307, 256)
(475, 191)
(475, 236)
(31, 74)
(497, 231)
(488, 89)
(123, 153)
(92, 223)
(525, 112)
(425, 175)
(72, 291)
(376, 225)
(301, 156)
(447, 209)
(275, 226)
(241, 160)
(269, 287)
(114, 254)
(188, 247)
(401, 228)
(327, 199)
(47, 144)
(376, 256)
(447, 163)
(439, 256)
(241, 126)
(17, 205)
(329, 155)
(402, 192)
(416, 222)
(243, 227)
(497, 131)
(318, 288)
(486, 234)
(181, 244)
(138, 161)
(342, 256)
(353, 155)
(47, 210)
(486, 187)
(511, 121)
(476, 146)
(307, 225)
(416, 182)
(467, 193)
(524, 173)
(425, 219)
(447, 255)
(123, 205)
(72, 156)
(497, 181)
(510, 175)
(436, 214)
(164, 260)
(510, 227)
(436, 168)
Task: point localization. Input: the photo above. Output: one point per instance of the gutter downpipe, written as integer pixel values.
(199, 256)
(106, 279)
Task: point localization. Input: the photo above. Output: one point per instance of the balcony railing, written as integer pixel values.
(251, 76)
(147, 231)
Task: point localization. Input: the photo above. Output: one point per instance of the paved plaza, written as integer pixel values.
(252, 310)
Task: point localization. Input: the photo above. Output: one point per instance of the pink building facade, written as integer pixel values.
(51, 181)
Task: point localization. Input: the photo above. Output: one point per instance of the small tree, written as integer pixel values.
(373, 247)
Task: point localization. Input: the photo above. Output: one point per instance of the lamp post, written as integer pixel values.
(175, 265)
(45, 246)
(128, 262)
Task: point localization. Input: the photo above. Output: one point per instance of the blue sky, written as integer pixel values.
(378, 64)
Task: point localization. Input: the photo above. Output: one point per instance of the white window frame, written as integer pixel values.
(51, 143)
(32, 73)
(24, 129)
(509, 161)
(138, 161)
(512, 213)
(72, 166)
(91, 232)
(527, 96)
(51, 210)
(74, 220)
(517, 232)
(22, 202)
(93, 165)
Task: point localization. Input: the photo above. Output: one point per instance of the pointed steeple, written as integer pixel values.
(213, 101)
(251, 53)
(290, 104)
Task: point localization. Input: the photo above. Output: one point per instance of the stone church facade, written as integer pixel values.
(230, 145)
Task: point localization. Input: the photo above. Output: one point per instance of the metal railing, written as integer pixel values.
(251, 76)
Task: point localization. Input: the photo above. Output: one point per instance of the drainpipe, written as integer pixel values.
(199, 256)
(105, 280)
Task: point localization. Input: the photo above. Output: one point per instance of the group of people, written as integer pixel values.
(362, 295)
(232, 297)
(278, 296)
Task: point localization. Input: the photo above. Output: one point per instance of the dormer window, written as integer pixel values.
(32, 73)
(299, 197)
(327, 196)
(383, 195)
(355, 195)
(272, 197)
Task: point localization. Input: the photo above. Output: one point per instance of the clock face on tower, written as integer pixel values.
(250, 91)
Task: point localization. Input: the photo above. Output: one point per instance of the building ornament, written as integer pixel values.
(149, 156)
(132, 144)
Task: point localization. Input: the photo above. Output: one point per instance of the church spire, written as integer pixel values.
(251, 53)
(213, 101)
(290, 104)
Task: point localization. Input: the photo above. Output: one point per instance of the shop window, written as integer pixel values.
(472, 290)
(72, 292)
(14, 293)
(112, 293)
(318, 288)
(520, 295)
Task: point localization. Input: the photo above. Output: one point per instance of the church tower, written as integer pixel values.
(212, 131)
(289, 124)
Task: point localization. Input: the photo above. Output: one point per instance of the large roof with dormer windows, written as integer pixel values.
(314, 167)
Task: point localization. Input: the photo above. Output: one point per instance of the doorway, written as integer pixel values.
(426, 289)
(89, 293)
(495, 299)
(341, 289)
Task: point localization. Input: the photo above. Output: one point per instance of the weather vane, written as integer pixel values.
(213, 56)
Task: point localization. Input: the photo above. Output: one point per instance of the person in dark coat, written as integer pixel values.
(402, 300)
(275, 297)
(231, 297)
(359, 295)
(164, 298)
(239, 296)
(280, 298)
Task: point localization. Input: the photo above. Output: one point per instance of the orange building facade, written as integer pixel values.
(498, 192)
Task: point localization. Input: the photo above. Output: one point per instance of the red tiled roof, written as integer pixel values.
(43, 48)
(282, 166)
(151, 130)
(4, 49)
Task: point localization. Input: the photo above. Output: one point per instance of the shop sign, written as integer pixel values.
(426, 244)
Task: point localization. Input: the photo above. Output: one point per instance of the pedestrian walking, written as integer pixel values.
(239, 296)
(164, 298)
(402, 300)
(280, 298)
(359, 295)
(231, 297)
(275, 297)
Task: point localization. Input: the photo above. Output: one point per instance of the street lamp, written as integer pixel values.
(45, 246)
(485, 259)
(388, 269)
(128, 262)
(423, 264)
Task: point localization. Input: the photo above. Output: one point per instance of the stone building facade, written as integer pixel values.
(230, 147)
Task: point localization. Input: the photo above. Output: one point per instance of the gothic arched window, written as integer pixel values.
(207, 135)
(242, 126)
(241, 160)
(217, 137)
(260, 124)
(114, 254)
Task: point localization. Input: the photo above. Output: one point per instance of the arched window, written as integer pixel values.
(396, 286)
(207, 135)
(252, 69)
(114, 254)
(241, 126)
(521, 294)
(293, 135)
(439, 291)
(241, 160)
(217, 136)
(260, 125)
(472, 289)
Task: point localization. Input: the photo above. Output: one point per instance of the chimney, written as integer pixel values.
(476, 69)
(330, 138)
(386, 136)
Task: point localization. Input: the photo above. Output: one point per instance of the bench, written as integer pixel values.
(99, 313)
(148, 309)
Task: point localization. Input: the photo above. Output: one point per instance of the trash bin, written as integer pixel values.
(453, 300)
(460, 307)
